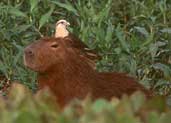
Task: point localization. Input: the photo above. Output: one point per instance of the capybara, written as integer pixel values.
(68, 75)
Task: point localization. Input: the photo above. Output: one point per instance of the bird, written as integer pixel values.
(62, 32)
(61, 29)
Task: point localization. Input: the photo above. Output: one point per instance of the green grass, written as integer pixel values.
(132, 36)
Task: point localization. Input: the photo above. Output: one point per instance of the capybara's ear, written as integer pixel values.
(68, 42)
(61, 41)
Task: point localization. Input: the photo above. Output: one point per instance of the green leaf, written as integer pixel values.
(166, 30)
(17, 12)
(33, 4)
(99, 105)
(44, 18)
(21, 28)
(110, 30)
(68, 6)
(121, 37)
(26, 117)
(164, 68)
(142, 30)
(153, 117)
(137, 99)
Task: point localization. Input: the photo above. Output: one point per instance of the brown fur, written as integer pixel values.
(90, 55)
(69, 76)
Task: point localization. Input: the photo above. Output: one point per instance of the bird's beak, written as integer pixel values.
(68, 24)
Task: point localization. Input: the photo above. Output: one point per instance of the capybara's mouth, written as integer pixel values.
(31, 64)
(28, 62)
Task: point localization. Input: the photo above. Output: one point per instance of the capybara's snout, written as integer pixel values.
(28, 52)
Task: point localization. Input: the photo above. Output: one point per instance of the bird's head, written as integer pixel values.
(63, 22)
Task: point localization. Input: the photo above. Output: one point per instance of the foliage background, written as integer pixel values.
(132, 36)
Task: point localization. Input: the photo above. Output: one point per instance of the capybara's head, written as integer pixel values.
(44, 54)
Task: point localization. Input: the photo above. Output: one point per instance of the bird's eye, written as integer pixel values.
(62, 22)
(54, 45)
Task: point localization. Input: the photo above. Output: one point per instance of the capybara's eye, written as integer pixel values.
(54, 45)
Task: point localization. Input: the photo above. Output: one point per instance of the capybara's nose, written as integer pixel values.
(28, 51)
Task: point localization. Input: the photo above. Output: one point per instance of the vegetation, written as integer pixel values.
(23, 107)
(132, 36)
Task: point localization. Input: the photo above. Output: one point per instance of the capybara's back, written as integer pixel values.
(120, 83)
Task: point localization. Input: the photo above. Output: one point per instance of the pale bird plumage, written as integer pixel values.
(61, 29)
